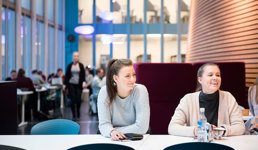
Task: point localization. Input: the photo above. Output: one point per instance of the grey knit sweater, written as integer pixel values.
(128, 115)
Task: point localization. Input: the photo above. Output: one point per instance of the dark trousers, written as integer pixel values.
(75, 93)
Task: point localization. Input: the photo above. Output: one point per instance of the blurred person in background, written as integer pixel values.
(253, 97)
(25, 84)
(74, 82)
(12, 77)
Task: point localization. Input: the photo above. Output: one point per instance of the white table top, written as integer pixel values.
(159, 142)
(41, 89)
(24, 92)
(150, 142)
(245, 118)
(59, 142)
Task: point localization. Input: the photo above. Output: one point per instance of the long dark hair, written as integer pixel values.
(200, 73)
(113, 68)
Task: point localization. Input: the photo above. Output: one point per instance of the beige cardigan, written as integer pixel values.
(186, 115)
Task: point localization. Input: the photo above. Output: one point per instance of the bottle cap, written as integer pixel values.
(202, 109)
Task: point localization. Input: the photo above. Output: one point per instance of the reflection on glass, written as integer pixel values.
(85, 11)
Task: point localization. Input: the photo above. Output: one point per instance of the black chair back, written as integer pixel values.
(101, 146)
(198, 146)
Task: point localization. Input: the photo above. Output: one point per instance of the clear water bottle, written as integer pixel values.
(202, 135)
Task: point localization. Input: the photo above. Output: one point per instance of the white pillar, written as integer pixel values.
(46, 37)
(33, 35)
(18, 33)
(63, 25)
(56, 33)
(1, 41)
(179, 31)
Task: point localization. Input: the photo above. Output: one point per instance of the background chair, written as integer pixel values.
(199, 146)
(7, 147)
(101, 146)
(55, 126)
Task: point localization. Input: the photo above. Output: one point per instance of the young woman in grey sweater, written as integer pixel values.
(123, 106)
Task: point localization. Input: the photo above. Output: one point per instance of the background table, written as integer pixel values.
(23, 94)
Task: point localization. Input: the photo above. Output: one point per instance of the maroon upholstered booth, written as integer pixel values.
(233, 79)
(166, 84)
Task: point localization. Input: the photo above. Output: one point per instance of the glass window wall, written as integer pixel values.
(26, 4)
(101, 6)
(3, 42)
(120, 11)
(60, 12)
(51, 50)
(136, 11)
(85, 12)
(26, 45)
(120, 46)
(153, 11)
(137, 48)
(85, 49)
(10, 41)
(40, 46)
(40, 7)
(60, 49)
(51, 10)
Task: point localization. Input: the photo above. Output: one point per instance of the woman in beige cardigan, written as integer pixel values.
(221, 108)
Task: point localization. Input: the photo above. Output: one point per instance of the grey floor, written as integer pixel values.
(88, 123)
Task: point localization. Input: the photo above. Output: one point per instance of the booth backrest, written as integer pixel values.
(167, 83)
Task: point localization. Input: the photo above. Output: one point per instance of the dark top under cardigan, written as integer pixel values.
(211, 104)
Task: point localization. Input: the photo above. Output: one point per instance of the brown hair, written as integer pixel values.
(21, 72)
(113, 68)
(200, 73)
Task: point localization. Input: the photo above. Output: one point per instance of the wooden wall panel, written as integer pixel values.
(224, 30)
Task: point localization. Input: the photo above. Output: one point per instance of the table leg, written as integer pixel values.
(23, 113)
(38, 101)
(62, 99)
